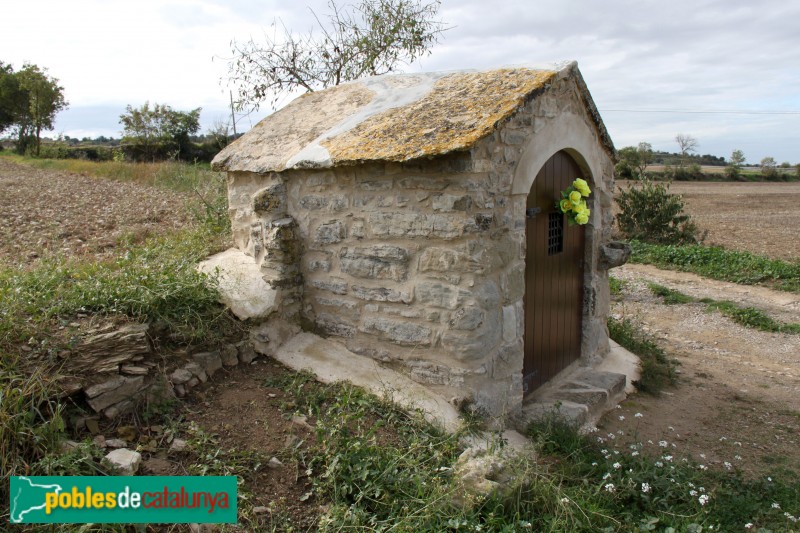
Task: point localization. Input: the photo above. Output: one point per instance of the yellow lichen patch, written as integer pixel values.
(270, 144)
(460, 109)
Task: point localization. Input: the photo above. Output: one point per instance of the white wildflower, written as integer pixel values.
(703, 499)
(565, 500)
(693, 493)
(727, 465)
(748, 525)
(621, 418)
(776, 505)
(609, 487)
(663, 443)
(616, 466)
(638, 415)
(659, 464)
(645, 487)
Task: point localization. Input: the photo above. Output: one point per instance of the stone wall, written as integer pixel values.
(421, 265)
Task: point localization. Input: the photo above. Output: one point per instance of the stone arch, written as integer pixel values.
(568, 132)
(573, 134)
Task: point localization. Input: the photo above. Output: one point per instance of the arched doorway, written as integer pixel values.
(553, 276)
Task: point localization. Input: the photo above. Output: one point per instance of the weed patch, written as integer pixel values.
(31, 422)
(670, 296)
(615, 285)
(721, 264)
(657, 371)
(155, 281)
(752, 318)
(746, 316)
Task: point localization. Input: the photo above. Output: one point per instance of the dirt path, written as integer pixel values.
(738, 397)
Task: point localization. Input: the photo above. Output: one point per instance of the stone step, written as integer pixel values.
(579, 398)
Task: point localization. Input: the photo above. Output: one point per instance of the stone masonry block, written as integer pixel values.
(210, 361)
(402, 333)
(375, 262)
(412, 225)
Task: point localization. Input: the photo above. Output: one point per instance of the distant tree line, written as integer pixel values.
(29, 102)
(634, 162)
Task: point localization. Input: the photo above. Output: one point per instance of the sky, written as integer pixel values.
(726, 72)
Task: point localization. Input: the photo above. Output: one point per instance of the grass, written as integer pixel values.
(31, 421)
(373, 467)
(721, 264)
(670, 296)
(172, 175)
(153, 281)
(648, 487)
(615, 285)
(751, 317)
(746, 316)
(657, 370)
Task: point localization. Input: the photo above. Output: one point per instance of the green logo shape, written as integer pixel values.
(123, 499)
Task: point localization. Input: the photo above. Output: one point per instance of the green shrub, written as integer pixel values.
(649, 213)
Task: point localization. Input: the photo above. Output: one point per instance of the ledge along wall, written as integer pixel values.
(421, 265)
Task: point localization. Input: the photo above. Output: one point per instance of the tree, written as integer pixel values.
(737, 160)
(158, 132)
(45, 100)
(687, 144)
(769, 168)
(628, 160)
(372, 38)
(12, 98)
(645, 151)
(29, 101)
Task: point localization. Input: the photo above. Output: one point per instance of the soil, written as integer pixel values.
(756, 217)
(737, 399)
(46, 212)
(242, 412)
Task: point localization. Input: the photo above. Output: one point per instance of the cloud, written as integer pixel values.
(645, 54)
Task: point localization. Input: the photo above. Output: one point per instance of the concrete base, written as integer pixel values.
(332, 362)
(241, 284)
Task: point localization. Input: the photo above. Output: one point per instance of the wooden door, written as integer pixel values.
(553, 277)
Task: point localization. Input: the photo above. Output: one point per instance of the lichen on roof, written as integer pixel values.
(461, 109)
(269, 145)
(387, 118)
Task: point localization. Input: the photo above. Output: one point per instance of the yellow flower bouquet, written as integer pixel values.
(573, 202)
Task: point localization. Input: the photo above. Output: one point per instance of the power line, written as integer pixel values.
(702, 112)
